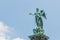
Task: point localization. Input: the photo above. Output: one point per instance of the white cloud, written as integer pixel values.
(3, 30)
(6, 29)
(3, 27)
(18, 39)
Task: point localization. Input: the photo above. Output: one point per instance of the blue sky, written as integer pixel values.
(15, 13)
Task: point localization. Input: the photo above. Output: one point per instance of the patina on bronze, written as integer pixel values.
(39, 31)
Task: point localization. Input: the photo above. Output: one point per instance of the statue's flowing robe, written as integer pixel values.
(39, 21)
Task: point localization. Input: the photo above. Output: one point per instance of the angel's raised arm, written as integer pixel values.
(32, 14)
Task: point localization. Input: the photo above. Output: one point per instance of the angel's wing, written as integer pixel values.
(44, 15)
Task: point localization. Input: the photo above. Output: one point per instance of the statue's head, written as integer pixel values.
(41, 11)
(37, 9)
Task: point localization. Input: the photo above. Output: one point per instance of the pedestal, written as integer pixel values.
(38, 37)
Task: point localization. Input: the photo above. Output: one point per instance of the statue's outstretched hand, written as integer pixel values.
(31, 14)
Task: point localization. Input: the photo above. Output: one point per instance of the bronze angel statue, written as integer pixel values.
(39, 21)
